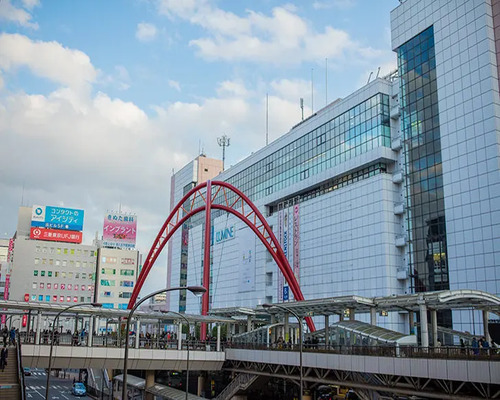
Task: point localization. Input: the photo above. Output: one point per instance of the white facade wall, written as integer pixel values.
(469, 114)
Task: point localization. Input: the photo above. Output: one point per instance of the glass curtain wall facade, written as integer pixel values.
(420, 123)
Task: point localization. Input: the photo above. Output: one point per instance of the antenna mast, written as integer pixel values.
(223, 142)
(267, 119)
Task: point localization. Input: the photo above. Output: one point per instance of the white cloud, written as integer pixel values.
(49, 60)
(31, 4)
(8, 12)
(326, 4)
(232, 88)
(280, 38)
(146, 32)
(175, 85)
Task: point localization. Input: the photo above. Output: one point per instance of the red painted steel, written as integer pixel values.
(242, 208)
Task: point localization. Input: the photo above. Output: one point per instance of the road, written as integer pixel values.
(60, 389)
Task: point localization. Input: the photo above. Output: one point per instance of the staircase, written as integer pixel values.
(9, 381)
(241, 382)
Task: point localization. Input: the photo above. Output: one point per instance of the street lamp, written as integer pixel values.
(187, 341)
(197, 290)
(299, 319)
(54, 327)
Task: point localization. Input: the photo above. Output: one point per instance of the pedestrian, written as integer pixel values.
(13, 336)
(475, 346)
(462, 346)
(4, 354)
(5, 335)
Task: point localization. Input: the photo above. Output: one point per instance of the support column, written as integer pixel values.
(341, 316)
(352, 314)
(150, 381)
(179, 337)
(327, 331)
(118, 332)
(411, 318)
(137, 333)
(286, 333)
(249, 323)
(373, 316)
(434, 325)
(206, 259)
(90, 333)
(218, 337)
(76, 323)
(424, 332)
(38, 333)
(201, 385)
(485, 327)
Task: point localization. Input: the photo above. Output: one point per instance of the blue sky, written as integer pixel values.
(101, 100)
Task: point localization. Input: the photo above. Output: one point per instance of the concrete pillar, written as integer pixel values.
(201, 385)
(424, 332)
(76, 323)
(118, 332)
(90, 333)
(352, 314)
(249, 323)
(137, 333)
(327, 330)
(179, 337)
(38, 332)
(434, 325)
(485, 327)
(286, 327)
(150, 381)
(411, 318)
(228, 331)
(218, 337)
(373, 316)
(341, 316)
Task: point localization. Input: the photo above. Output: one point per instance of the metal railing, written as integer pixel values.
(20, 369)
(443, 352)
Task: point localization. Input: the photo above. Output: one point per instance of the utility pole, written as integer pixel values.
(223, 141)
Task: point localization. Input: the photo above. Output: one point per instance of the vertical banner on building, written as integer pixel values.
(6, 289)
(296, 242)
(286, 246)
(246, 244)
(281, 278)
(25, 320)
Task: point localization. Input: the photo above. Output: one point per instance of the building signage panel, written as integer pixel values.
(56, 235)
(6, 289)
(222, 235)
(119, 230)
(57, 218)
(246, 242)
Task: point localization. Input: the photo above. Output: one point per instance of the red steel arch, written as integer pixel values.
(242, 208)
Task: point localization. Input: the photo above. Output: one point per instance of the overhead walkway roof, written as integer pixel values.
(169, 393)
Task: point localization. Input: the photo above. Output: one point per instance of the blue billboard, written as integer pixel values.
(57, 218)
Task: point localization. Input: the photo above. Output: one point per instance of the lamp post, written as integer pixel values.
(54, 327)
(187, 341)
(299, 319)
(197, 290)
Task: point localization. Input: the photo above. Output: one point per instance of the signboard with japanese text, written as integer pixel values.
(57, 218)
(119, 230)
(56, 235)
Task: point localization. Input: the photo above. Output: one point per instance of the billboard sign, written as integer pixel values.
(119, 230)
(57, 218)
(56, 235)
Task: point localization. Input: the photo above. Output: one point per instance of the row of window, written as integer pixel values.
(64, 263)
(112, 271)
(64, 274)
(64, 250)
(61, 286)
(55, 298)
(114, 260)
(121, 295)
(111, 305)
(112, 282)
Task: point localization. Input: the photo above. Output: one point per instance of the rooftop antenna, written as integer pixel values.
(369, 77)
(223, 141)
(22, 196)
(267, 119)
(302, 107)
(326, 81)
(378, 72)
(312, 91)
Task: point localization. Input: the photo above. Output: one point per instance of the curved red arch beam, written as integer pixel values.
(259, 226)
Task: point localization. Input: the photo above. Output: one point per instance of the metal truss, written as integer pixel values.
(218, 195)
(366, 384)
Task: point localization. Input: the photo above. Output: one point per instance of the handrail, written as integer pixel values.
(20, 369)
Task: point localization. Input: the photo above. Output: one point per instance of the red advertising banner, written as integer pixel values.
(56, 235)
(6, 289)
(25, 320)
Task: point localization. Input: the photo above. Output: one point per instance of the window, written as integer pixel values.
(56, 274)
(127, 283)
(42, 285)
(69, 286)
(55, 286)
(42, 273)
(37, 261)
(77, 264)
(64, 263)
(63, 274)
(76, 287)
(125, 295)
(34, 285)
(58, 263)
(65, 251)
(49, 285)
(63, 286)
(58, 250)
(77, 275)
(72, 251)
(70, 275)
(127, 272)
(35, 272)
(84, 275)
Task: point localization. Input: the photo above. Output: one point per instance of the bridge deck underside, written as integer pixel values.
(440, 379)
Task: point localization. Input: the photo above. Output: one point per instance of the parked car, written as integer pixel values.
(27, 371)
(78, 389)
